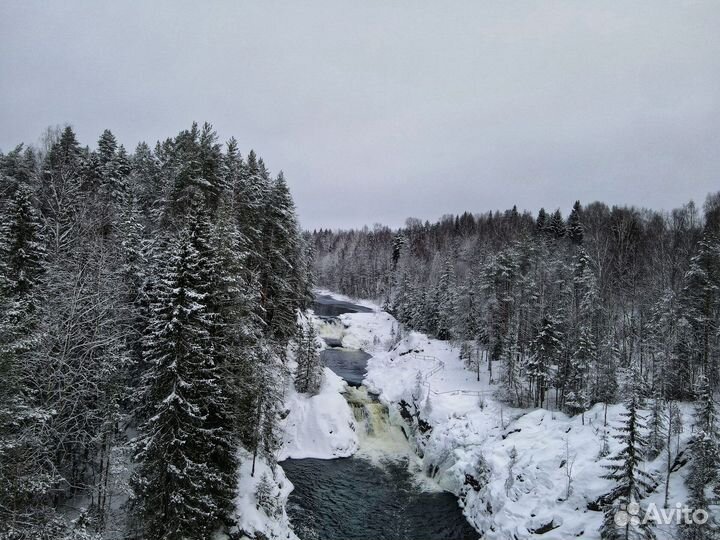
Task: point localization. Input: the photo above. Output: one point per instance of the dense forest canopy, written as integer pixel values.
(619, 284)
(147, 302)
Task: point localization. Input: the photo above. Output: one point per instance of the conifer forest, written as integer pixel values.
(148, 299)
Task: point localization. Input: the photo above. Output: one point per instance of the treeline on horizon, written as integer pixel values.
(606, 305)
(459, 278)
(147, 300)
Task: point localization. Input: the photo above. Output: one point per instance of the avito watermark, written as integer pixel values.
(632, 514)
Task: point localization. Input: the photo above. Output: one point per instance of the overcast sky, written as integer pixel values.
(380, 110)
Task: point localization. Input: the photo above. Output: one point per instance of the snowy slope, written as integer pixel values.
(251, 517)
(318, 426)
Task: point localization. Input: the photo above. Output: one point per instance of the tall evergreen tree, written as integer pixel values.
(186, 473)
(556, 225)
(282, 282)
(701, 306)
(309, 374)
(574, 225)
(547, 347)
(625, 469)
(541, 222)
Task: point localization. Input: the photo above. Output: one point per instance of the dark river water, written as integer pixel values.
(349, 364)
(354, 499)
(327, 306)
(357, 499)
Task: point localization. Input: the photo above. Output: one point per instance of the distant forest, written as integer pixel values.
(147, 300)
(565, 303)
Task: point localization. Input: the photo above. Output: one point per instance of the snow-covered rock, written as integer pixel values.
(319, 426)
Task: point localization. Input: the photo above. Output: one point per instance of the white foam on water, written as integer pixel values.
(380, 441)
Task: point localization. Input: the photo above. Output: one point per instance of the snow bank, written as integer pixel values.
(319, 426)
(256, 519)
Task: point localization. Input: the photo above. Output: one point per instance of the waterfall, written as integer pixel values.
(330, 328)
(371, 416)
(379, 438)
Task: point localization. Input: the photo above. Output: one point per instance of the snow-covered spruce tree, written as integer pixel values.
(584, 357)
(605, 385)
(17, 167)
(399, 242)
(541, 222)
(265, 403)
(574, 224)
(194, 162)
(402, 307)
(625, 469)
(108, 169)
(235, 301)
(664, 345)
(144, 181)
(282, 276)
(266, 497)
(133, 272)
(309, 372)
(214, 183)
(181, 489)
(705, 460)
(556, 225)
(547, 347)
(445, 301)
(583, 333)
(60, 191)
(26, 481)
(468, 311)
(657, 428)
(499, 283)
(230, 308)
(250, 189)
(701, 307)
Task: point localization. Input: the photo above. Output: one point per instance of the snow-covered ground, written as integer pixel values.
(266, 519)
(468, 427)
(319, 426)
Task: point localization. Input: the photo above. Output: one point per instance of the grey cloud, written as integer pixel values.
(381, 110)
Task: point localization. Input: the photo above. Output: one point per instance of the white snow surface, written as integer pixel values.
(467, 421)
(250, 517)
(319, 426)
